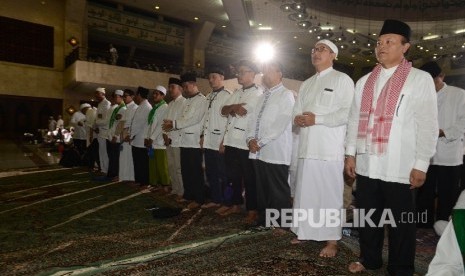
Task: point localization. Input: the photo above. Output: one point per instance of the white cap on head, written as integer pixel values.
(101, 90)
(119, 92)
(84, 105)
(330, 44)
(160, 88)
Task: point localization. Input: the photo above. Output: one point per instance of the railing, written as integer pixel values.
(147, 63)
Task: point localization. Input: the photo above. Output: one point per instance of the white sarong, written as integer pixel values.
(126, 165)
(320, 187)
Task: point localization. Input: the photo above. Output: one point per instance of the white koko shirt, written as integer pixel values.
(271, 125)
(451, 116)
(173, 112)
(328, 95)
(413, 136)
(190, 121)
(214, 125)
(235, 134)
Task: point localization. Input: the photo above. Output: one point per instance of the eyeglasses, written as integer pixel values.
(319, 49)
(241, 73)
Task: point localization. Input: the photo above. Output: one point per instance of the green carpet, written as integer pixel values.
(61, 221)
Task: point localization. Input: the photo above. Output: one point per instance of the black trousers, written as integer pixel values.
(273, 191)
(400, 199)
(216, 175)
(141, 165)
(240, 171)
(192, 174)
(80, 145)
(93, 155)
(443, 182)
(113, 150)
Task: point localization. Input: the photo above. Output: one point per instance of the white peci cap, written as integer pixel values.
(101, 90)
(160, 88)
(119, 92)
(330, 44)
(84, 105)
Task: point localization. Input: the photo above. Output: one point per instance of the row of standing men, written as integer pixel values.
(383, 131)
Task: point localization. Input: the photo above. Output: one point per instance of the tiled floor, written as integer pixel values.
(16, 155)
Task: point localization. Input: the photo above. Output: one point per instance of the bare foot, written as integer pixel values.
(297, 241)
(356, 267)
(277, 232)
(330, 250)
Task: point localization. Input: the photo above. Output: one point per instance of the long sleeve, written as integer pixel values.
(194, 113)
(456, 130)
(155, 127)
(426, 120)
(281, 121)
(354, 115)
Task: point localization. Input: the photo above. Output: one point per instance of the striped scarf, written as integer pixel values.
(385, 107)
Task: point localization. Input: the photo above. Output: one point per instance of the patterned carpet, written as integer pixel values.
(61, 222)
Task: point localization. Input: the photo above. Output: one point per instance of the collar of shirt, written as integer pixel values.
(189, 97)
(324, 72)
(218, 90)
(388, 72)
(443, 89)
(274, 88)
(248, 87)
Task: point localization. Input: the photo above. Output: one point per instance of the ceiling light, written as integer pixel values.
(351, 63)
(460, 31)
(304, 24)
(196, 18)
(259, 24)
(429, 37)
(286, 7)
(374, 34)
(224, 26)
(264, 28)
(368, 60)
(300, 48)
(295, 36)
(264, 52)
(435, 57)
(327, 28)
(157, 7)
(440, 48)
(454, 56)
(352, 31)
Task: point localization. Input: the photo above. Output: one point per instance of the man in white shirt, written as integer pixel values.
(158, 165)
(239, 168)
(443, 177)
(60, 122)
(101, 128)
(172, 138)
(321, 112)
(391, 136)
(269, 138)
(190, 124)
(78, 121)
(126, 168)
(212, 138)
(137, 135)
(115, 127)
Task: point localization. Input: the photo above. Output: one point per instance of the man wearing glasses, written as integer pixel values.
(321, 111)
(239, 168)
